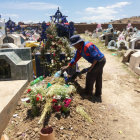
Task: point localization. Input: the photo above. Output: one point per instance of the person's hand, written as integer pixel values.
(64, 68)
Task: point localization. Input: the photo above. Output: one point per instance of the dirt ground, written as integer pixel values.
(117, 117)
(121, 95)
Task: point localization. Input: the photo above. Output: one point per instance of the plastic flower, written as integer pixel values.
(29, 90)
(57, 108)
(38, 97)
(58, 97)
(67, 102)
(54, 101)
(28, 101)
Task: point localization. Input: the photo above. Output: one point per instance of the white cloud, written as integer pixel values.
(119, 5)
(102, 14)
(10, 15)
(29, 6)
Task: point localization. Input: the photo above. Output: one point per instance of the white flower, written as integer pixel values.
(58, 97)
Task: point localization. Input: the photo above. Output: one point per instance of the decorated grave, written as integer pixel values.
(55, 53)
(56, 95)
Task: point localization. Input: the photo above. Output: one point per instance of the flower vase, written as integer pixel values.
(47, 134)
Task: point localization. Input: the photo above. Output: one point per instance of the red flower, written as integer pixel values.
(28, 101)
(54, 54)
(38, 97)
(29, 90)
(54, 101)
(57, 108)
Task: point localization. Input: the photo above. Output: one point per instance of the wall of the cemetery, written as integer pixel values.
(80, 28)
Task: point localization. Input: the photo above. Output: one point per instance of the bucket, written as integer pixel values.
(47, 134)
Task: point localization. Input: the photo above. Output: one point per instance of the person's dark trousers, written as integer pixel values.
(95, 75)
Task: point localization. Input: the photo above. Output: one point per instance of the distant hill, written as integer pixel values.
(134, 19)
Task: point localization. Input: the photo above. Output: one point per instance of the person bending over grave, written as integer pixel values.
(93, 55)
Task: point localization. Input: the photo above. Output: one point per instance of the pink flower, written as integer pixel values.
(67, 102)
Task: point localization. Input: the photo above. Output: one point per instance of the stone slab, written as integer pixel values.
(127, 55)
(134, 60)
(23, 53)
(10, 94)
(137, 70)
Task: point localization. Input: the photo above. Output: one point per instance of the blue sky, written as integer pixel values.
(77, 10)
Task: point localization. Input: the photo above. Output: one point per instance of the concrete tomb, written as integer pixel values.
(135, 43)
(16, 64)
(135, 62)
(12, 38)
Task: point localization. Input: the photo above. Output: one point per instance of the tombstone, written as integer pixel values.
(121, 37)
(129, 28)
(99, 28)
(108, 38)
(17, 64)
(122, 44)
(112, 45)
(102, 37)
(126, 57)
(135, 62)
(11, 38)
(135, 43)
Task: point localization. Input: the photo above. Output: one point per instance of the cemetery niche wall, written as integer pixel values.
(16, 64)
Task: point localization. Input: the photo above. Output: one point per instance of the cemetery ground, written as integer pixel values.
(116, 117)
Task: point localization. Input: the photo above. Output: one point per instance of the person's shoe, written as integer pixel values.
(98, 98)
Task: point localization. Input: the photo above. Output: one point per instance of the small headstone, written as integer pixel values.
(127, 55)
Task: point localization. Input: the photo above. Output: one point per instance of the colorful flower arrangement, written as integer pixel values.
(36, 98)
(60, 103)
(58, 98)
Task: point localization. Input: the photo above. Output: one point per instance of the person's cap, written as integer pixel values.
(75, 39)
